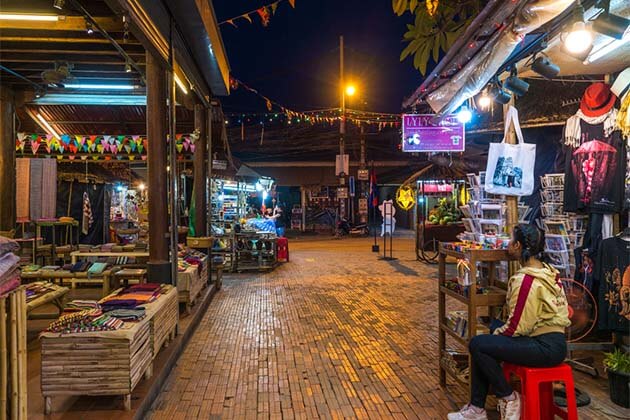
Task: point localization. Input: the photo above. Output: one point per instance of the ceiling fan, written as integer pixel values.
(57, 76)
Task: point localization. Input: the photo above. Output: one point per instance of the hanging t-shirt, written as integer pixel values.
(613, 274)
(595, 172)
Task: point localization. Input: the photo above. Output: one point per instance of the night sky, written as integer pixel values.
(295, 60)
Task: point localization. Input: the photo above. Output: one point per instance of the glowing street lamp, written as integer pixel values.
(351, 90)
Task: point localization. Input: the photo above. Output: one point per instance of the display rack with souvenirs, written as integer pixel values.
(564, 232)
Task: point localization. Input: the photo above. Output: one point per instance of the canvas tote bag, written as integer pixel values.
(510, 169)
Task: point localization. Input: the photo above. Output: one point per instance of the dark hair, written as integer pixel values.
(532, 240)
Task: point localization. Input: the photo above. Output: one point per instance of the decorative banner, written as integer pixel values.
(405, 197)
(422, 134)
(104, 145)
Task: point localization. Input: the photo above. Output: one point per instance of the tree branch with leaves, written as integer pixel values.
(437, 24)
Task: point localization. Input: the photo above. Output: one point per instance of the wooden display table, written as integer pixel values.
(64, 275)
(55, 296)
(54, 224)
(164, 315)
(106, 362)
(191, 282)
(139, 275)
(493, 297)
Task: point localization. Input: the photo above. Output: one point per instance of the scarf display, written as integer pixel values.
(49, 188)
(573, 130)
(43, 189)
(22, 187)
(87, 214)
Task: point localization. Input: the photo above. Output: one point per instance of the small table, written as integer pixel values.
(125, 274)
(55, 295)
(53, 224)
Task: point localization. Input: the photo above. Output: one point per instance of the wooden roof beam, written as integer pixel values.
(65, 23)
(72, 40)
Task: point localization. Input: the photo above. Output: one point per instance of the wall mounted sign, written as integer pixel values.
(363, 174)
(220, 165)
(405, 197)
(342, 192)
(422, 134)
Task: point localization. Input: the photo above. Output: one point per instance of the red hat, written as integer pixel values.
(597, 100)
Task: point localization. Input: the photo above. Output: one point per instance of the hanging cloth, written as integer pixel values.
(573, 128)
(87, 214)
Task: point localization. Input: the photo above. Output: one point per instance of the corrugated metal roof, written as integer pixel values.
(96, 119)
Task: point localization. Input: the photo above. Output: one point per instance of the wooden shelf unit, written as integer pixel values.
(491, 300)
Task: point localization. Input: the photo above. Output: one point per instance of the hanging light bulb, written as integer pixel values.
(484, 100)
(580, 38)
(464, 115)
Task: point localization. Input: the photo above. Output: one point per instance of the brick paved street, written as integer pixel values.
(335, 333)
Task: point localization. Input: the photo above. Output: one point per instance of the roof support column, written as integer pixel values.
(200, 173)
(159, 267)
(7, 160)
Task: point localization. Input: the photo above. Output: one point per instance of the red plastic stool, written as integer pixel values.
(537, 391)
(283, 249)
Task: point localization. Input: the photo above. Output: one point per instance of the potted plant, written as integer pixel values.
(617, 365)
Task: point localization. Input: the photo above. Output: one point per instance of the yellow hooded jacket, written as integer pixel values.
(537, 303)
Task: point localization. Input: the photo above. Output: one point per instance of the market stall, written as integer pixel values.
(579, 203)
(106, 348)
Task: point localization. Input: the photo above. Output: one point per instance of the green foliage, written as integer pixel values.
(429, 35)
(445, 213)
(617, 361)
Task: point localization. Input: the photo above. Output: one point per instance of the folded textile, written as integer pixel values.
(30, 268)
(81, 305)
(8, 245)
(9, 285)
(128, 314)
(8, 262)
(112, 304)
(144, 287)
(85, 321)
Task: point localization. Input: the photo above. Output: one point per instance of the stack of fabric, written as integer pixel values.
(88, 320)
(187, 257)
(131, 297)
(78, 305)
(9, 265)
(35, 290)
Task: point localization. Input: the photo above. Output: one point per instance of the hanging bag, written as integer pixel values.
(510, 169)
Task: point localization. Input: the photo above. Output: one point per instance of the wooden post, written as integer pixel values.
(7, 159)
(200, 173)
(3, 359)
(511, 200)
(157, 117)
(13, 353)
(209, 145)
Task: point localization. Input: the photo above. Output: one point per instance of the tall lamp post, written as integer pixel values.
(349, 90)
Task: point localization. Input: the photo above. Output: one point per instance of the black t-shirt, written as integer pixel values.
(595, 172)
(613, 274)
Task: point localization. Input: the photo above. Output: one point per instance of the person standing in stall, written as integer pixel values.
(532, 336)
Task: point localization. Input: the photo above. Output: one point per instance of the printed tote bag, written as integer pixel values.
(510, 169)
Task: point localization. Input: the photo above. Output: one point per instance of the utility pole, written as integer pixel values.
(342, 122)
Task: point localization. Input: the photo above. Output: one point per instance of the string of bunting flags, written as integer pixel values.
(264, 13)
(329, 116)
(119, 146)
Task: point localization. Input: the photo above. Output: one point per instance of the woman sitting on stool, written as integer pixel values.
(532, 336)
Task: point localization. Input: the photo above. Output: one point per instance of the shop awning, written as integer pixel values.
(488, 47)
